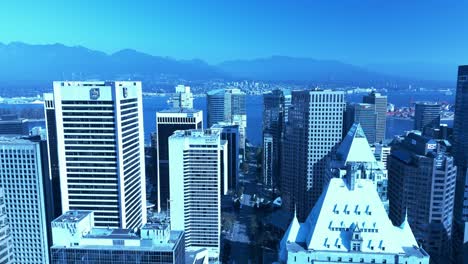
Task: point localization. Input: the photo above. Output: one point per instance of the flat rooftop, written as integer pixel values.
(112, 233)
(72, 216)
(93, 241)
(180, 110)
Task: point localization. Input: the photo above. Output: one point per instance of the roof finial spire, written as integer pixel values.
(295, 210)
(405, 221)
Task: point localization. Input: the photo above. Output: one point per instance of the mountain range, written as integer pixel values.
(20, 62)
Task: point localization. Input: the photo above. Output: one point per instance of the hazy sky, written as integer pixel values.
(357, 31)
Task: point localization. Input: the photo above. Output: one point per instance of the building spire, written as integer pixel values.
(295, 210)
(405, 222)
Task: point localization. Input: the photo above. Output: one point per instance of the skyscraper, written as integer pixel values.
(381, 152)
(267, 161)
(228, 105)
(167, 122)
(460, 153)
(230, 133)
(100, 145)
(24, 179)
(365, 115)
(421, 186)
(183, 98)
(313, 132)
(196, 167)
(6, 244)
(273, 127)
(426, 116)
(380, 102)
(349, 224)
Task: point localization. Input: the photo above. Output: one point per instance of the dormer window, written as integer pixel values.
(356, 239)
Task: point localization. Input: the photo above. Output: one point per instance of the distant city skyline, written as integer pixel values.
(361, 33)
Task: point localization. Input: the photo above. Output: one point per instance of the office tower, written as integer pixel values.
(151, 170)
(183, 98)
(421, 184)
(267, 160)
(443, 131)
(312, 135)
(77, 240)
(380, 102)
(381, 152)
(218, 106)
(426, 116)
(167, 122)
(98, 132)
(52, 152)
(25, 182)
(349, 224)
(230, 133)
(228, 105)
(460, 153)
(287, 103)
(241, 122)
(12, 125)
(196, 167)
(365, 115)
(6, 244)
(355, 150)
(273, 124)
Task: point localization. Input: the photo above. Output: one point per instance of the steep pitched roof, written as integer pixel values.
(355, 147)
(340, 210)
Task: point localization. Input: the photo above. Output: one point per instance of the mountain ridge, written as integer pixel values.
(20, 61)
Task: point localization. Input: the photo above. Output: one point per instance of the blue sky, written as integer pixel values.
(358, 32)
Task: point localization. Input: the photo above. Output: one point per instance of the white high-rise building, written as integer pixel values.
(381, 152)
(197, 161)
(100, 146)
(6, 249)
(22, 179)
(183, 98)
(167, 122)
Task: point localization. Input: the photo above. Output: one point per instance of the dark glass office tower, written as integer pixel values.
(230, 133)
(460, 144)
(167, 122)
(380, 102)
(53, 167)
(421, 187)
(12, 125)
(426, 116)
(273, 125)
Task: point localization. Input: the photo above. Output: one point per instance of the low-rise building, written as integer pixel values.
(76, 239)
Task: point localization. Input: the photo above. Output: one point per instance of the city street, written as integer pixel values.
(239, 235)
